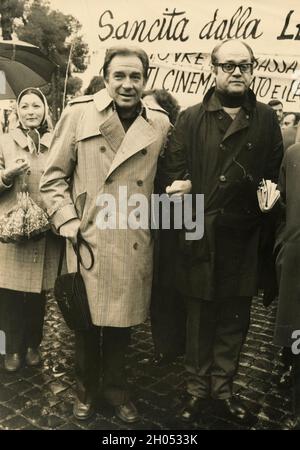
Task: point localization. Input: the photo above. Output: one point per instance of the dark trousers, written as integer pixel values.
(102, 348)
(215, 334)
(296, 385)
(168, 321)
(22, 319)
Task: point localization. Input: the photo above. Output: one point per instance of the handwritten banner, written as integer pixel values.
(271, 26)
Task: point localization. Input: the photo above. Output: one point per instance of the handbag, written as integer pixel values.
(70, 291)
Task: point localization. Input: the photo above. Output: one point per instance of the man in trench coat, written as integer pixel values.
(221, 148)
(105, 150)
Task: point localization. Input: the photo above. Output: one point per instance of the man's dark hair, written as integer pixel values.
(125, 51)
(275, 102)
(95, 85)
(166, 100)
(214, 57)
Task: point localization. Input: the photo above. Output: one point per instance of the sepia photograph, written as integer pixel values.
(149, 218)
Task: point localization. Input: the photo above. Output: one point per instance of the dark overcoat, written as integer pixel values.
(288, 243)
(225, 160)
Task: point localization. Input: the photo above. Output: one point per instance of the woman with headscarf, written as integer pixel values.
(28, 268)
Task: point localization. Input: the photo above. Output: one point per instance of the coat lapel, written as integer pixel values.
(241, 122)
(113, 131)
(140, 135)
(20, 138)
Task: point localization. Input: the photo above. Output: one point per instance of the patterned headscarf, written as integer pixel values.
(34, 134)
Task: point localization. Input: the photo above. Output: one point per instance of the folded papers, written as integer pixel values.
(267, 195)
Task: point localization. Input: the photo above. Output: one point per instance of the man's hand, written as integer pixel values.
(70, 229)
(17, 167)
(179, 187)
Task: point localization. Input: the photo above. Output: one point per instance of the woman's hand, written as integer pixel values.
(17, 167)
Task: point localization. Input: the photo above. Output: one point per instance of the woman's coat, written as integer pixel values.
(30, 266)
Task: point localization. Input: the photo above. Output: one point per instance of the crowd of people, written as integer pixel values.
(198, 292)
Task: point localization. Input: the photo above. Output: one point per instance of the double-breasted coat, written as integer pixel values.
(288, 249)
(225, 160)
(92, 161)
(29, 266)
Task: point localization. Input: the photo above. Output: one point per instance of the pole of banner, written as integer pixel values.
(67, 73)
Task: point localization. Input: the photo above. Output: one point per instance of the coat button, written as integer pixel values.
(139, 183)
(135, 246)
(102, 149)
(144, 151)
(247, 116)
(222, 147)
(249, 146)
(222, 178)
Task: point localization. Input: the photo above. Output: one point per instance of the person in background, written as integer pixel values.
(165, 100)
(28, 269)
(95, 85)
(277, 106)
(167, 309)
(287, 248)
(289, 120)
(222, 149)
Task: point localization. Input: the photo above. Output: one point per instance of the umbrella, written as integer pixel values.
(22, 65)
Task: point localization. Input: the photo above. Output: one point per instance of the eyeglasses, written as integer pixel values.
(230, 67)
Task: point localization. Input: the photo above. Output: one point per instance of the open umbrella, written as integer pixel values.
(22, 65)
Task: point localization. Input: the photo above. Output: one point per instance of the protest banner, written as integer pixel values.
(180, 34)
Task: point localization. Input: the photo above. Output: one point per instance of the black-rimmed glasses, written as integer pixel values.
(230, 67)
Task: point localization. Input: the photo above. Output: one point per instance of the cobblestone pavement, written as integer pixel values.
(42, 398)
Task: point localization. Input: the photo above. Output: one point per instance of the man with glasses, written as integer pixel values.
(221, 148)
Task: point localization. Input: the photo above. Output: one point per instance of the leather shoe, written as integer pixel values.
(33, 357)
(127, 412)
(190, 410)
(12, 362)
(83, 411)
(292, 423)
(233, 409)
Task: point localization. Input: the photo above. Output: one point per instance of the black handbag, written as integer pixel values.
(70, 292)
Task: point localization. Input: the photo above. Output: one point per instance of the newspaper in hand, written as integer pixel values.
(267, 194)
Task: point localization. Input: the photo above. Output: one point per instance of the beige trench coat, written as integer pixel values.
(91, 149)
(29, 266)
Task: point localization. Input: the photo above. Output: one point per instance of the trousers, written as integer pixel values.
(102, 350)
(216, 331)
(22, 319)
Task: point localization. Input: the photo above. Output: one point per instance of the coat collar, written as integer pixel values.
(103, 100)
(19, 137)
(103, 119)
